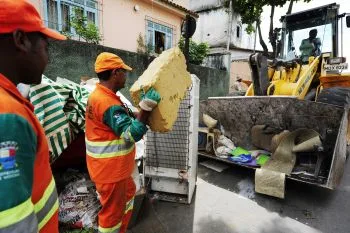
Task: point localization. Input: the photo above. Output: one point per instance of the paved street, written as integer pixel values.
(226, 202)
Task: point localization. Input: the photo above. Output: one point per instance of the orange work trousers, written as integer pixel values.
(117, 200)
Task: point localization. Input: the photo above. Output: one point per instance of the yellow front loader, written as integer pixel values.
(303, 88)
(299, 71)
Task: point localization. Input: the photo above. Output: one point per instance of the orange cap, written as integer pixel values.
(109, 61)
(20, 14)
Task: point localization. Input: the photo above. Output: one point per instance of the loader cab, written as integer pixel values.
(310, 33)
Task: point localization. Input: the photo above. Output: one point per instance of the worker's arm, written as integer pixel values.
(18, 145)
(122, 124)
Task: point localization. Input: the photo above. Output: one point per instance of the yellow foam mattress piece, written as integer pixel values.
(167, 74)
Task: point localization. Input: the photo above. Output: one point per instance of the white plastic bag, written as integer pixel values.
(223, 151)
(226, 142)
(136, 177)
(24, 89)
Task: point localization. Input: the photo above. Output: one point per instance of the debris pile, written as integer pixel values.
(78, 201)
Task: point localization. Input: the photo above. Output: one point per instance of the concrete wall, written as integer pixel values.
(73, 59)
(221, 61)
(203, 5)
(239, 69)
(236, 68)
(237, 54)
(213, 26)
(214, 82)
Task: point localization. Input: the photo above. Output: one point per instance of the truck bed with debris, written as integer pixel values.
(238, 115)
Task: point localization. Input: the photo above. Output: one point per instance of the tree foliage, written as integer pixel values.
(250, 12)
(197, 52)
(85, 29)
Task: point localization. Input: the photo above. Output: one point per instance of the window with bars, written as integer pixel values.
(58, 13)
(159, 37)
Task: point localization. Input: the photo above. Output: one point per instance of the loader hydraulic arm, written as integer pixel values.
(288, 78)
(308, 74)
(259, 70)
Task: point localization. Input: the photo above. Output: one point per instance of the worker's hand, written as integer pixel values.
(149, 100)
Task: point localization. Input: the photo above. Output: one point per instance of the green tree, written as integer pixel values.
(250, 12)
(83, 28)
(197, 52)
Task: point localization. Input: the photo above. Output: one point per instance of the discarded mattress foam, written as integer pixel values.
(167, 74)
(270, 182)
(270, 179)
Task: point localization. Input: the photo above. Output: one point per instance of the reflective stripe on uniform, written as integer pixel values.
(108, 149)
(129, 205)
(47, 205)
(27, 225)
(20, 218)
(114, 229)
(49, 215)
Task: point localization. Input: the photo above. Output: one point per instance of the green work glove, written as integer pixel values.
(149, 100)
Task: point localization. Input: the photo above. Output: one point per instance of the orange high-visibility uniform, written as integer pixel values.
(110, 161)
(28, 194)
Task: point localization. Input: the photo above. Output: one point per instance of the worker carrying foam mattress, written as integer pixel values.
(111, 132)
(168, 75)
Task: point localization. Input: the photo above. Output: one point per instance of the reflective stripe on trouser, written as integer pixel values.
(117, 203)
(19, 219)
(108, 149)
(47, 206)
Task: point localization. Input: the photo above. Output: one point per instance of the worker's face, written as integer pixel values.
(32, 56)
(120, 78)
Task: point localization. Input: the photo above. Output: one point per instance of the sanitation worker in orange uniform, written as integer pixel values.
(111, 133)
(28, 197)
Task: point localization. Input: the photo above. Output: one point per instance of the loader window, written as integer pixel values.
(298, 44)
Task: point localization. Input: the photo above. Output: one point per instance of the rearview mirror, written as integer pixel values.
(348, 21)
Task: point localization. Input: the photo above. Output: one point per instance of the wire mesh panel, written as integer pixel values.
(170, 150)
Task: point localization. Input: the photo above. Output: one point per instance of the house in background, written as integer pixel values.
(230, 44)
(120, 22)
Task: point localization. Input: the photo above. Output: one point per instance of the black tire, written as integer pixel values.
(339, 96)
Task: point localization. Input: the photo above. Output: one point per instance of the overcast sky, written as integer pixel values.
(300, 6)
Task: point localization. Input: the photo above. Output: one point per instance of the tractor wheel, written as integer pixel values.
(335, 95)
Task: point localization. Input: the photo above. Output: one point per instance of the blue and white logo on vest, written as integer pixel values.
(8, 151)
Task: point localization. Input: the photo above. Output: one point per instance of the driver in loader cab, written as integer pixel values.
(310, 46)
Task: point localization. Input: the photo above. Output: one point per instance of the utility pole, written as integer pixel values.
(187, 30)
(187, 40)
(229, 30)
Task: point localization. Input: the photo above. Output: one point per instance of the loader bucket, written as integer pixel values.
(237, 116)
